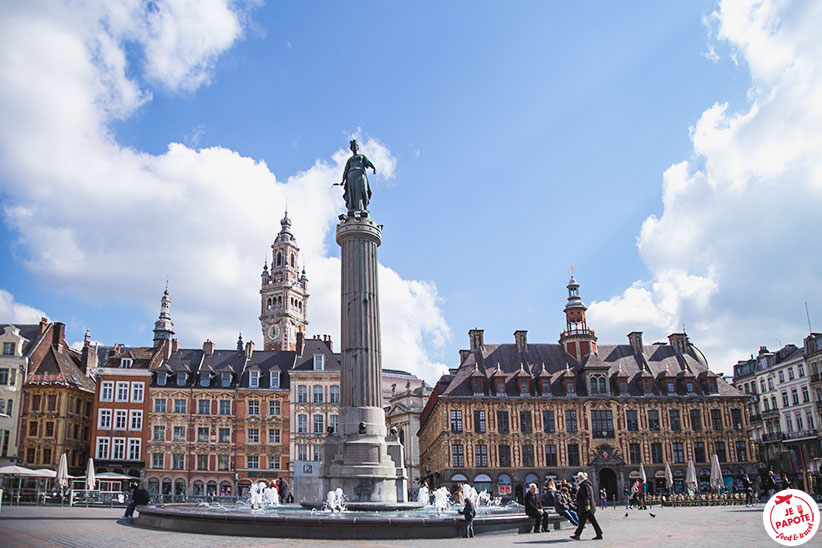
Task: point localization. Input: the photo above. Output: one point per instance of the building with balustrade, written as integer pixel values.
(513, 413)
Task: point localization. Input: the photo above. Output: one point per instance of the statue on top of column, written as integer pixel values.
(357, 190)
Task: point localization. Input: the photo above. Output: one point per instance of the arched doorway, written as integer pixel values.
(608, 481)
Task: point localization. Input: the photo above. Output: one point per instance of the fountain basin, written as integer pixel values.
(299, 523)
(367, 506)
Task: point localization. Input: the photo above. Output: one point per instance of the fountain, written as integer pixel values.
(362, 469)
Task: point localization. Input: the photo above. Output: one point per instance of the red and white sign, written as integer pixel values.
(791, 517)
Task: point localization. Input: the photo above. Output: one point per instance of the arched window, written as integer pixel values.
(593, 385)
(269, 303)
(602, 385)
(198, 488)
(211, 488)
(293, 260)
(402, 436)
(279, 258)
(154, 487)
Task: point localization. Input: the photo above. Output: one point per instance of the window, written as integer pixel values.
(317, 394)
(274, 408)
(653, 420)
(550, 455)
(634, 453)
(253, 407)
(134, 449)
(35, 402)
(719, 449)
(528, 455)
(225, 407)
(274, 462)
(302, 394)
(525, 425)
(742, 449)
(274, 436)
(696, 420)
(120, 419)
(224, 435)
(699, 451)
(623, 386)
(205, 380)
(161, 378)
(648, 386)
(254, 379)
(795, 396)
(274, 379)
(202, 462)
(253, 435)
(179, 433)
(104, 419)
(502, 422)
(8, 349)
(736, 419)
(716, 419)
(302, 452)
(676, 424)
(181, 379)
(781, 377)
(770, 383)
(806, 397)
(253, 462)
(106, 391)
(524, 386)
(223, 462)
(177, 461)
(302, 425)
(225, 380)
(790, 374)
(631, 420)
(573, 454)
(334, 420)
(202, 434)
(135, 419)
(671, 386)
(479, 422)
(548, 422)
(789, 423)
(505, 456)
(801, 370)
(157, 460)
(598, 384)
(159, 433)
(46, 456)
(118, 449)
(102, 448)
(546, 386)
(570, 421)
(319, 362)
(33, 428)
(481, 456)
(159, 405)
(570, 387)
(499, 386)
(317, 453)
(656, 453)
(318, 424)
(334, 393)
(204, 407)
(179, 406)
(689, 386)
(602, 424)
(679, 452)
(798, 423)
(456, 421)
(126, 363)
(137, 391)
(762, 384)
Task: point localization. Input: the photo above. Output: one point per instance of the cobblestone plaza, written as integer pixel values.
(703, 527)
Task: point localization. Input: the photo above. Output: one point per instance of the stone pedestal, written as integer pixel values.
(361, 459)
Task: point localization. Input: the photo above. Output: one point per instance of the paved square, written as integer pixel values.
(725, 527)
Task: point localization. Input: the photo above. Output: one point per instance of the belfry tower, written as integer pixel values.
(577, 339)
(164, 327)
(283, 294)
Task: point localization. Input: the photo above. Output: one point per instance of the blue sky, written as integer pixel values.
(514, 142)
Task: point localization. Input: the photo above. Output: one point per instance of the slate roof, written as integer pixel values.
(30, 332)
(658, 361)
(305, 361)
(62, 368)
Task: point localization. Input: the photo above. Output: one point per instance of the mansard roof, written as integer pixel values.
(305, 361)
(658, 360)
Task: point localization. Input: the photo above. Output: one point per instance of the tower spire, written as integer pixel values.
(577, 339)
(164, 327)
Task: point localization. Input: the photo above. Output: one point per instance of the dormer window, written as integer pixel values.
(226, 380)
(524, 386)
(500, 383)
(477, 385)
(598, 384)
(181, 379)
(648, 386)
(570, 386)
(319, 362)
(671, 386)
(274, 379)
(125, 363)
(712, 386)
(623, 386)
(689, 386)
(8, 348)
(205, 380)
(546, 386)
(161, 378)
(253, 379)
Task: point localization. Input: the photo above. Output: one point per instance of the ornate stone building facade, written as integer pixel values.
(403, 413)
(511, 414)
(17, 342)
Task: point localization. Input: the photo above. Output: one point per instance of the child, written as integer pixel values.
(469, 514)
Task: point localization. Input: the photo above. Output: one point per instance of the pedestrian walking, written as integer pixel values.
(770, 484)
(469, 513)
(627, 494)
(748, 487)
(603, 498)
(282, 488)
(533, 509)
(139, 497)
(586, 507)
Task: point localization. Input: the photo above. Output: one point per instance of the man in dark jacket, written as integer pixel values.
(586, 506)
(139, 497)
(533, 509)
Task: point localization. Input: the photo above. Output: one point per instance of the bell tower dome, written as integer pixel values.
(577, 339)
(283, 293)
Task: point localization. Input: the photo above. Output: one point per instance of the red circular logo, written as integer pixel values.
(791, 517)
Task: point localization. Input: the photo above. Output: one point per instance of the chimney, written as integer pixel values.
(59, 333)
(208, 347)
(635, 340)
(521, 339)
(88, 359)
(166, 347)
(44, 322)
(328, 342)
(679, 341)
(463, 355)
(300, 342)
(249, 349)
(475, 337)
(175, 345)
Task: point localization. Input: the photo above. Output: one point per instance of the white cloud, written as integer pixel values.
(108, 223)
(734, 253)
(14, 312)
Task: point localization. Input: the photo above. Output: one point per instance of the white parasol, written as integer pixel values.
(62, 477)
(716, 473)
(91, 480)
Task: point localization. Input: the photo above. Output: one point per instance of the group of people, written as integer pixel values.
(636, 495)
(574, 500)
